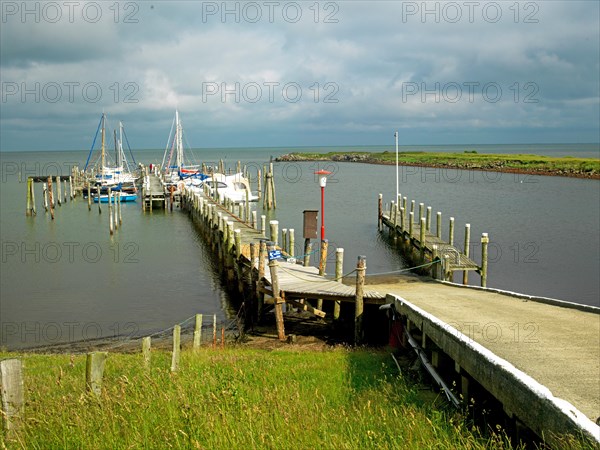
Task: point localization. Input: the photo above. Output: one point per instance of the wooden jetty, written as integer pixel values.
(240, 242)
(153, 191)
(424, 246)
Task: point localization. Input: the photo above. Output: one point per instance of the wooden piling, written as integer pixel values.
(380, 212)
(284, 236)
(428, 219)
(422, 238)
(421, 209)
(65, 190)
(291, 242)
(71, 192)
(45, 196)
(58, 193)
(12, 395)
(485, 240)
(451, 232)
(466, 250)
(263, 225)
(176, 348)
(119, 205)
(339, 272)
(274, 225)
(238, 242)
(438, 225)
(361, 267)
(50, 197)
(110, 213)
(411, 224)
(277, 299)
(307, 252)
(94, 371)
(258, 186)
(262, 255)
(89, 196)
(254, 221)
(197, 332)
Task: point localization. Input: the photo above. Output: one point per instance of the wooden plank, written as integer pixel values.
(306, 307)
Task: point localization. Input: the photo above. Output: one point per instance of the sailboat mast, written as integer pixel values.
(103, 140)
(120, 155)
(178, 142)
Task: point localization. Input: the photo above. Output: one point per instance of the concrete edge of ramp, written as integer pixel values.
(520, 394)
(533, 298)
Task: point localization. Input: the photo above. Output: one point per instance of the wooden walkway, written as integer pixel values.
(299, 282)
(555, 343)
(153, 193)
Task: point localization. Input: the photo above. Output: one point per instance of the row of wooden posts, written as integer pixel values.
(402, 218)
(50, 200)
(225, 238)
(11, 372)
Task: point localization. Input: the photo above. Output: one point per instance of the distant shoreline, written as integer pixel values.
(586, 168)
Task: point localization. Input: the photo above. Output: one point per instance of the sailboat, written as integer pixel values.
(178, 168)
(117, 175)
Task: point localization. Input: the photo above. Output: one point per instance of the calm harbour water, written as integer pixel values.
(67, 279)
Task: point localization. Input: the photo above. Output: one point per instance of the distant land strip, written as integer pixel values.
(469, 160)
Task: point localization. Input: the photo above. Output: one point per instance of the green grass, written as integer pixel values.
(237, 398)
(470, 159)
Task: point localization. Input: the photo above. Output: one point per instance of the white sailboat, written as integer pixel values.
(115, 175)
(179, 167)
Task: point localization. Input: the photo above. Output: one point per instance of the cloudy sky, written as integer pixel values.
(276, 73)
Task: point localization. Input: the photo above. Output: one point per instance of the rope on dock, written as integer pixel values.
(406, 270)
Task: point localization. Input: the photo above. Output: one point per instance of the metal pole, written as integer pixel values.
(322, 213)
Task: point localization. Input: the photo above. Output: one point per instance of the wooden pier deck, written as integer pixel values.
(557, 344)
(153, 193)
(299, 282)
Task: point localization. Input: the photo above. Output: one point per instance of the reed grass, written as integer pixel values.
(237, 398)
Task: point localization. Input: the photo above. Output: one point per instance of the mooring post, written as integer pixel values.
(110, 213)
(12, 395)
(411, 224)
(50, 197)
(58, 191)
(421, 209)
(273, 185)
(422, 238)
(94, 371)
(263, 225)
(394, 218)
(45, 195)
(485, 240)
(435, 266)
(71, 193)
(284, 246)
(197, 332)
(438, 225)
(379, 212)
(339, 272)
(65, 190)
(254, 222)
(89, 196)
(238, 243)
(361, 267)
(466, 250)
(402, 218)
(291, 242)
(428, 221)
(258, 184)
(307, 251)
(276, 296)
(451, 231)
(262, 255)
(274, 224)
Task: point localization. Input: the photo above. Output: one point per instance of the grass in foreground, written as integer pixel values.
(236, 399)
